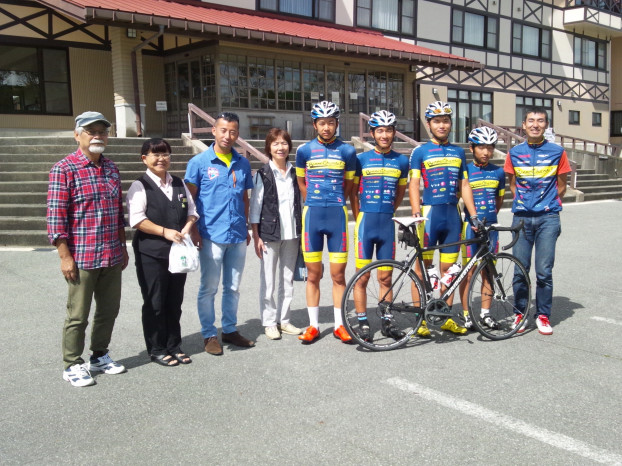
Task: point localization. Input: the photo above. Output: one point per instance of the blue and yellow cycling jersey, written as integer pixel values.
(536, 167)
(325, 167)
(487, 183)
(441, 166)
(378, 176)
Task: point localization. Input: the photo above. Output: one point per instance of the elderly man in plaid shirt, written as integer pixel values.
(85, 223)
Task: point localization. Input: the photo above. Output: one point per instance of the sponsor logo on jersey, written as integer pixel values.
(483, 184)
(443, 162)
(443, 189)
(325, 164)
(212, 172)
(382, 171)
(536, 172)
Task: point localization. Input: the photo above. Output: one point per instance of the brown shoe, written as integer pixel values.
(236, 339)
(212, 346)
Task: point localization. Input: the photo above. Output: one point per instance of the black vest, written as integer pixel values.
(161, 211)
(270, 222)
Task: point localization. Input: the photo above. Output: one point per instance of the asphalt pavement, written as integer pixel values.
(533, 399)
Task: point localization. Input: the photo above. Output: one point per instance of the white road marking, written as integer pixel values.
(16, 249)
(606, 320)
(554, 439)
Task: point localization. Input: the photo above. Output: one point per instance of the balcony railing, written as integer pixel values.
(609, 6)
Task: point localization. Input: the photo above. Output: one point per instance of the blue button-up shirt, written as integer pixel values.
(220, 195)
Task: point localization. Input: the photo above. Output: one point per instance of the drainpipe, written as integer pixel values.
(142, 45)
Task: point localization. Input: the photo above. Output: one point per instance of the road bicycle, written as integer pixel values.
(395, 300)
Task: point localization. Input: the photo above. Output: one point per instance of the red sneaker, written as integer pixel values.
(341, 333)
(310, 335)
(518, 322)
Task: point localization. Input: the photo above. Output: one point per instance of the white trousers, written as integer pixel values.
(281, 255)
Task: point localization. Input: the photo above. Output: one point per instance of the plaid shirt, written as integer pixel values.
(85, 207)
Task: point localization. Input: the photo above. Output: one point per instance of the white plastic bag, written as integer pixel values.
(184, 257)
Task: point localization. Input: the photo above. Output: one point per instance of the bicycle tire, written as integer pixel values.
(401, 311)
(502, 310)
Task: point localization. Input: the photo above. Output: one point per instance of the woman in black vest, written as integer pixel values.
(162, 210)
(276, 219)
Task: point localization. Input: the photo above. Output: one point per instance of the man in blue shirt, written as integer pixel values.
(218, 180)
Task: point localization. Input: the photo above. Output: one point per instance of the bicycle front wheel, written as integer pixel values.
(491, 288)
(382, 305)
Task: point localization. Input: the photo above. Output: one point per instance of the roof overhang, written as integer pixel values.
(209, 21)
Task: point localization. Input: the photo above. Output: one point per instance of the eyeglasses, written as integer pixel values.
(161, 155)
(96, 133)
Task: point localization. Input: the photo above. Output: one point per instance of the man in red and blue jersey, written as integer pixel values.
(488, 185)
(325, 168)
(379, 186)
(442, 166)
(537, 173)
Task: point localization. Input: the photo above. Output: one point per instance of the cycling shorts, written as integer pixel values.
(374, 229)
(332, 222)
(444, 225)
(469, 250)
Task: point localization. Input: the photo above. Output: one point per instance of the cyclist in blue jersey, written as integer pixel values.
(325, 168)
(379, 187)
(488, 185)
(442, 166)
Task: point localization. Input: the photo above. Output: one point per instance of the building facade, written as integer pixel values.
(269, 60)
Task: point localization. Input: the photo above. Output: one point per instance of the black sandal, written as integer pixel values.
(183, 358)
(160, 359)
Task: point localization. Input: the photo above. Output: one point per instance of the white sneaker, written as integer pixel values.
(105, 364)
(544, 326)
(78, 376)
(290, 329)
(520, 320)
(273, 333)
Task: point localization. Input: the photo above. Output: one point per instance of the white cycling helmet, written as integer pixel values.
(325, 109)
(438, 108)
(483, 135)
(382, 118)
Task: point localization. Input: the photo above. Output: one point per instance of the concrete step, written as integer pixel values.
(602, 196)
(585, 171)
(32, 238)
(582, 183)
(28, 210)
(39, 197)
(601, 189)
(23, 223)
(591, 177)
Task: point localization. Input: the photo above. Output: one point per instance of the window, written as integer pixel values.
(233, 81)
(312, 85)
(387, 15)
(597, 119)
(261, 83)
(289, 86)
(523, 103)
(616, 124)
(574, 117)
(531, 41)
(34, 80)
(317, 9)
(590, 53)
(473, 29)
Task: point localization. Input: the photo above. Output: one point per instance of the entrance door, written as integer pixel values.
(468, 106)
(183, 83)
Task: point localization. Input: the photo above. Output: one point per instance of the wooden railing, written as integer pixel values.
(364, 132)
(195, 115)
(511, 139)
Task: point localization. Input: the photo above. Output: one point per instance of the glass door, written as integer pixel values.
(468, 106)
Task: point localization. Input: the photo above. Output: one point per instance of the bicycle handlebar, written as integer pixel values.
(515, 232)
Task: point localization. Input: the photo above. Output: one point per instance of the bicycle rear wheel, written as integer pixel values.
(383, 292)
(491, 287)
